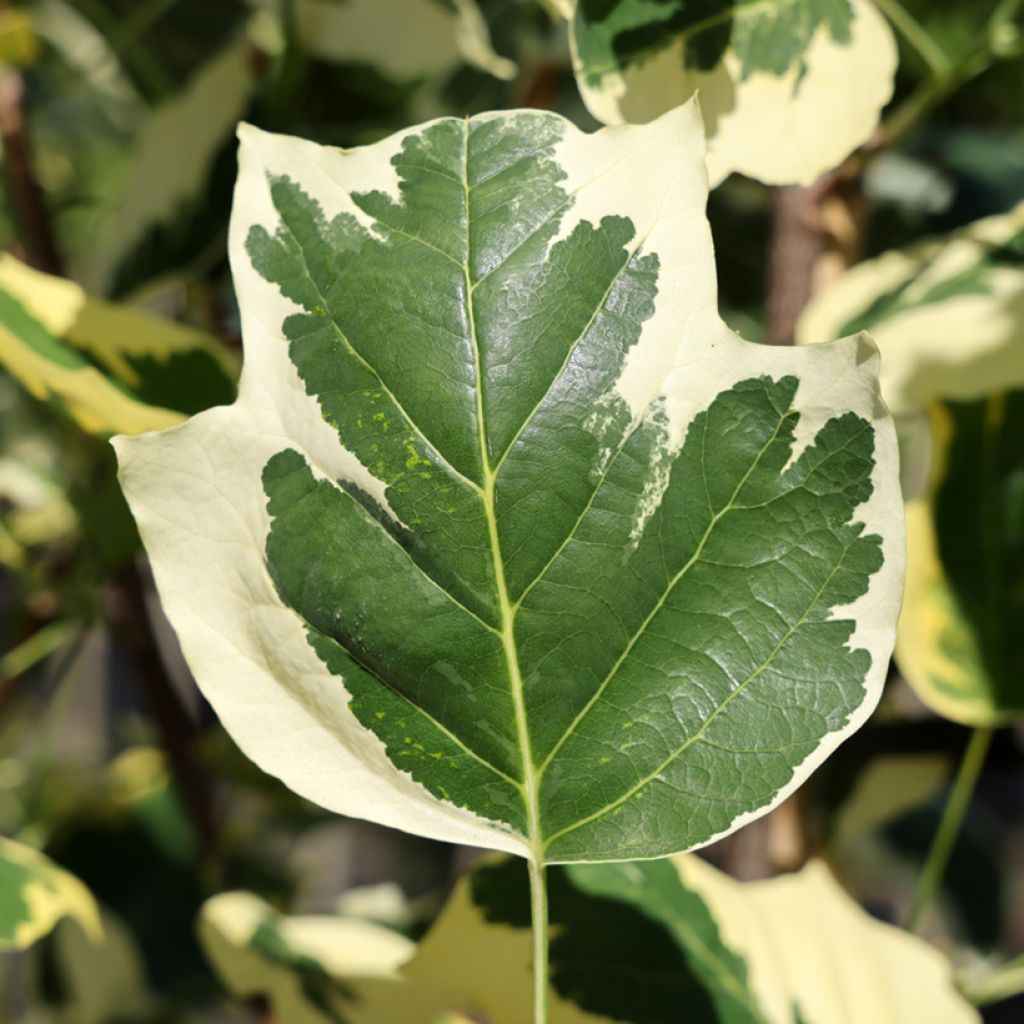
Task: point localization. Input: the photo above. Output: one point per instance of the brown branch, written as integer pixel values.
(134, 631)
(26, 199)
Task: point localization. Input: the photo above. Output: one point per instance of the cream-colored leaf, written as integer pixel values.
(103, 980)
(783, 129)
(486, 965)
(806, 942)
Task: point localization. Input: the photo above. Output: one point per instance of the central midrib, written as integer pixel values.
(505, 605)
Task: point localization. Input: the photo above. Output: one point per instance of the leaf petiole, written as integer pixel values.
(539, 921)
(949, 826)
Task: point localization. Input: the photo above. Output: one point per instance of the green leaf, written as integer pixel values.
(508, 539)
(112, 368)
(35, 894)
(788, 89)
(957, 643)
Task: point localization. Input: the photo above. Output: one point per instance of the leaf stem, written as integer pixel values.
(949, 827)
(991, 48)
(916, 36)
(539, 917)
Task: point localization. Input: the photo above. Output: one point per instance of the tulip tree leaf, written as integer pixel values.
(771, 77)
(508, 539)
(35, 894)
(112, 368)
(957, 642)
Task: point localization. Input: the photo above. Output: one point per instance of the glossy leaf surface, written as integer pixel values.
(508, 539)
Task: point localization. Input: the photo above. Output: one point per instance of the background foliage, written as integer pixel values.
(117, 315)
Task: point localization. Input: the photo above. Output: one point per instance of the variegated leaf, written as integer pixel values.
(788, 89)
(111, 367)
(508, 539)
(35, 894)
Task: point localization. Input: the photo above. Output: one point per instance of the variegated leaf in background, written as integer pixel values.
(403, 38)
(948, 315)
(787, 90)
(171, 164)
(113, 368)
(35, 894)
(508, 540)
(959, 636)
(312, 969)
(181, 138)
(633, 941)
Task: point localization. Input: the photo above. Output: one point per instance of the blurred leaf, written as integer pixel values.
(795, 948)
(787, 90)
(809, 945)
(114, 369)
(958, 642)
(161, 44)
(35, 509)
(139, 780)
(173, 157)
(105, 981)
(885, 789)
(947, 314)
(404, 38)
(303, 965)
(19, 44)
(35, 894)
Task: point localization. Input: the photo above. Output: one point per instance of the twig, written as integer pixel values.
(26, 197)
(134, 631)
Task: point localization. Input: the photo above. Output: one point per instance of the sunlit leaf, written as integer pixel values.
(508, 539)
(787, 89)
(111, 367)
